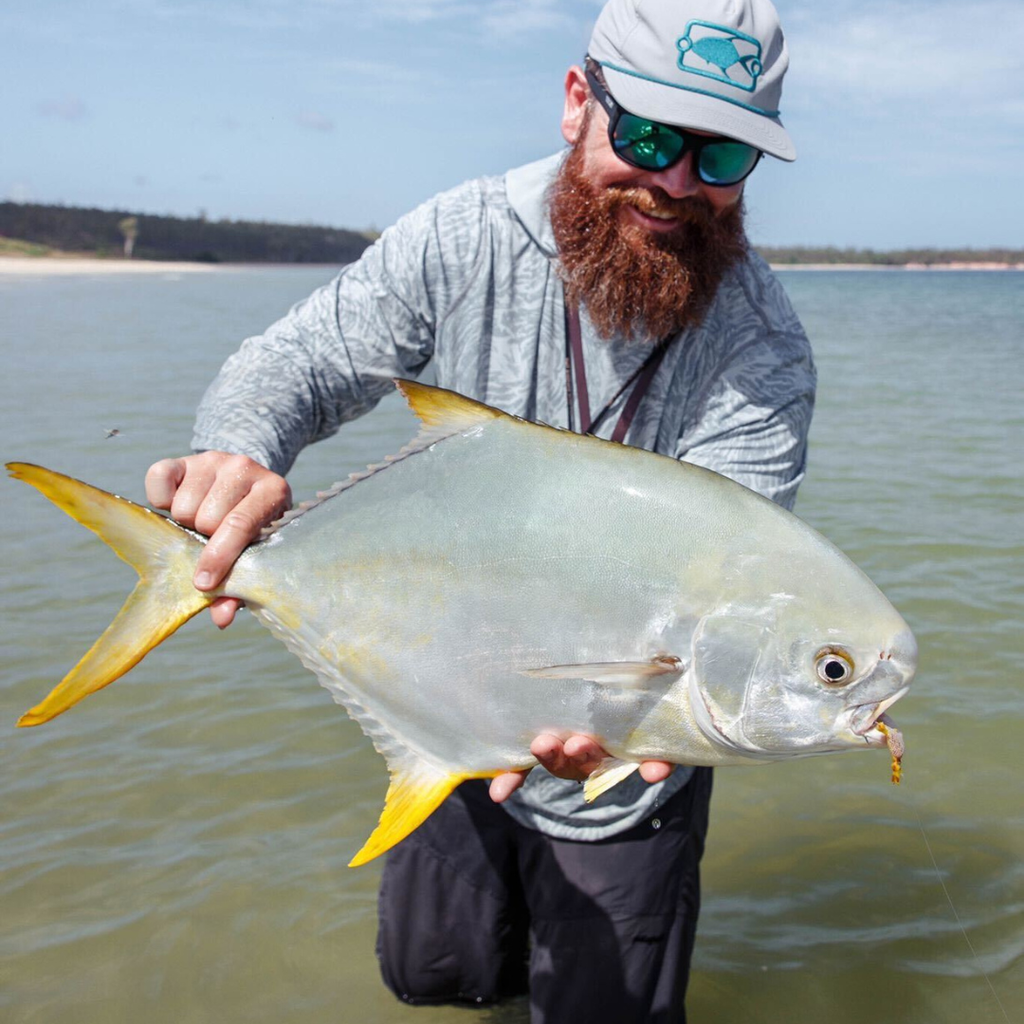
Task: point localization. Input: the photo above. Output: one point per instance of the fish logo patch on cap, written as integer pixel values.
(720, 53)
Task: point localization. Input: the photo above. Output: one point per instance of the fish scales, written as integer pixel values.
(500, 579)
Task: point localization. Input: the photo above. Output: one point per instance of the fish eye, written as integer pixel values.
(833, 667)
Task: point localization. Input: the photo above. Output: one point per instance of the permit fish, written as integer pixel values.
(498, 579)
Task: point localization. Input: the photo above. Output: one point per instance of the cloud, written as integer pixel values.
(502, 18)
(378, 71)
(873, 53)
(520, 17)
(70, 108)
(19, 192)
(315, 121)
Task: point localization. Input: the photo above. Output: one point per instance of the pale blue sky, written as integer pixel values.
(908, 115)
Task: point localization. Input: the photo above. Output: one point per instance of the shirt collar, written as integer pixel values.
(527, 191)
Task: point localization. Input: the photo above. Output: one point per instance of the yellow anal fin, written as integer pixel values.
(164, 555)
(414, 794)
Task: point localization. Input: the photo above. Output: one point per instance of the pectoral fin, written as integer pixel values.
(610, 772)
(630, 674)
(417, 789)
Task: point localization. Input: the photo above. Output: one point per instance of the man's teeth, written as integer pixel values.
(660, 214)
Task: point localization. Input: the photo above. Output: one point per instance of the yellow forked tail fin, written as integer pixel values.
(161, 552)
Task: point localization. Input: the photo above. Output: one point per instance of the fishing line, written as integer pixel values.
(963, 930)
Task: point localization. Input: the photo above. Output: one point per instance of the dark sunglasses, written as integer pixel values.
(653, 146)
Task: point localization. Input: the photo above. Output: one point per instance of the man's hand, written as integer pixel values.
(575, 759)
(230, 498)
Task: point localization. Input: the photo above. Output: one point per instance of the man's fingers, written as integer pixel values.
(200, 476)
(574, 759)
(239, 528)
(655, 771)
(547, 749)
(239, 478)
(226, 491)
(228, 497)
(550, 751)
(584, 752)
(163, 480)
(269, 498)
(222, 611)
(504, 785)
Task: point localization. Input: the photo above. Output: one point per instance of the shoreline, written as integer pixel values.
(57, 265)
(986, 267)
(60, 265)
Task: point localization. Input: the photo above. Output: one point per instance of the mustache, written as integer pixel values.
(692, 210)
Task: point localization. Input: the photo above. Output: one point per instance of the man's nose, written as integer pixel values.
(680, 180)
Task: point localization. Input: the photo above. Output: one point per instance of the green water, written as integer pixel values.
(174, 849)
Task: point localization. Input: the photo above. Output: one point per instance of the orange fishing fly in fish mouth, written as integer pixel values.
(865, 719)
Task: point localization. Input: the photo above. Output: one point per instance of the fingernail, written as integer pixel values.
(204, 579)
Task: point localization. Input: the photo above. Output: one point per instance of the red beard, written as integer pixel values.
(637, 283)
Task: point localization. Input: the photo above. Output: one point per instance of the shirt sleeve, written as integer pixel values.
(753, 420)
(334, 355)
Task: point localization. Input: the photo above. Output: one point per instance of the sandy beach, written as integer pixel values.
(37, 266)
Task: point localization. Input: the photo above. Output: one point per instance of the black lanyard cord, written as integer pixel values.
(642, 377)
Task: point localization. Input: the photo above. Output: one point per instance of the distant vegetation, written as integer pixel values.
(104, 233)
(889, 258)
(16, 247)
(34, 229)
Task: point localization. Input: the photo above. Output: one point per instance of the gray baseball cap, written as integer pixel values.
(713, 65)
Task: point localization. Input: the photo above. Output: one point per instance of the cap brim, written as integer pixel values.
(687, 108)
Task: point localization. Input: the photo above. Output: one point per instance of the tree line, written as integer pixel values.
(150, 237)
(828, 255)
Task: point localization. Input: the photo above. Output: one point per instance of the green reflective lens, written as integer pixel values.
(646, 144)
(653, 146)
(725, 163)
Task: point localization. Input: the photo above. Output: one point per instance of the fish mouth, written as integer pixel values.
(865, 717)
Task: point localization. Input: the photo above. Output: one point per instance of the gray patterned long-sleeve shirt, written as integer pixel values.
(470, 280)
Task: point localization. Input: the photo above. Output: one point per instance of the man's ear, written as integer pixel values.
(576, 95)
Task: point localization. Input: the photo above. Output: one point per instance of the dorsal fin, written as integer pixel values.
(444, 412)
(441, 414)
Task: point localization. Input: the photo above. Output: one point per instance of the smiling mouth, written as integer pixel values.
(659, 217)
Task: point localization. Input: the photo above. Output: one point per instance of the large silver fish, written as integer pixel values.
(499, 579)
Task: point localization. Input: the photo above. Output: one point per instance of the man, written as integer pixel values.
(608, 290)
